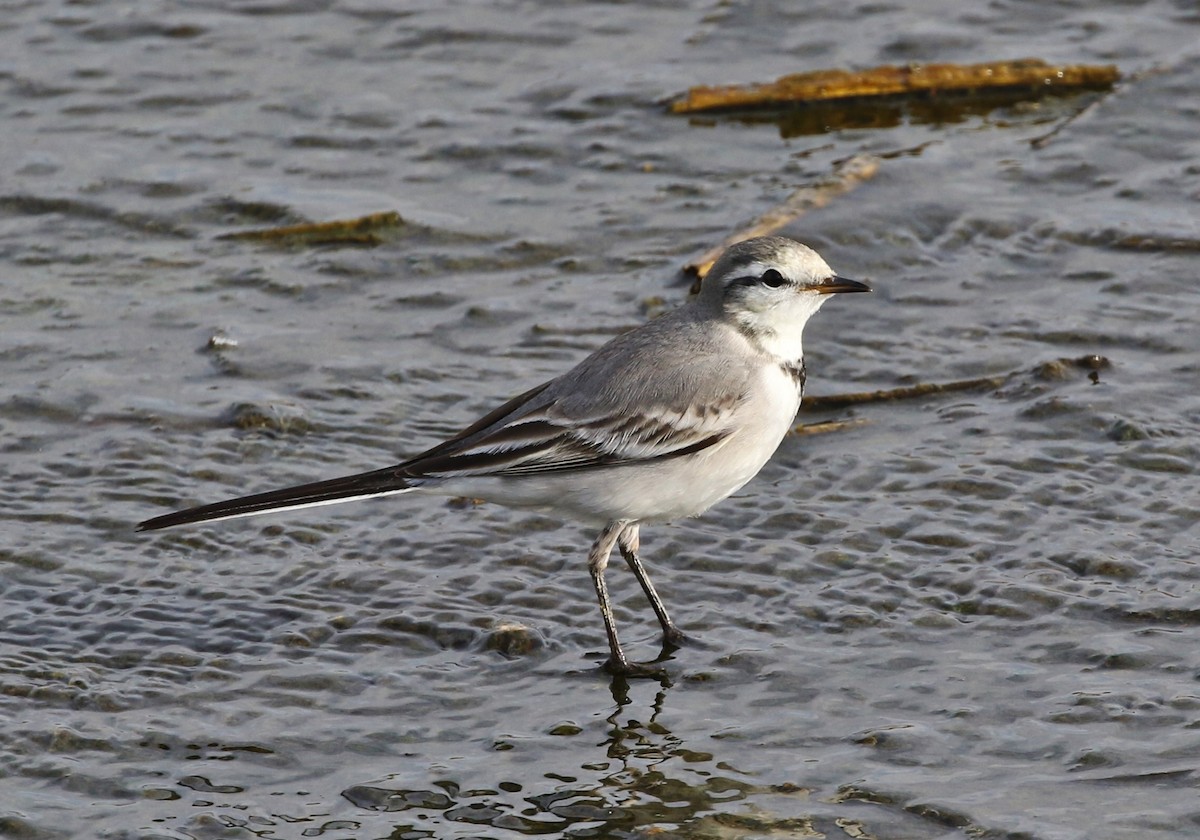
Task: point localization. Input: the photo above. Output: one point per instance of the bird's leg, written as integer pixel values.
(629, 541)
(597, 563)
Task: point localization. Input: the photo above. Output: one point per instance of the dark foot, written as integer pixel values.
(623, 668)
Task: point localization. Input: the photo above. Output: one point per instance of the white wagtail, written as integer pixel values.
(661, 422)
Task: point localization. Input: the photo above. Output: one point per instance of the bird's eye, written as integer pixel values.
(771, 277)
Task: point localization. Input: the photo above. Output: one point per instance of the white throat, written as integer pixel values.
(777, 328)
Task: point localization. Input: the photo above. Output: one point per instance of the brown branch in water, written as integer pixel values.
(847, 175)
(826, 426)
(365, 230)
(1052, 370)
(1030, 75)
(909, 392)
(1141, 242)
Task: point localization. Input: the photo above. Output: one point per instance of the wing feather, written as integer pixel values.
(543, 443)
(629, 403)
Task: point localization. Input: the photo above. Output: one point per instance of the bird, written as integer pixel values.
(659, 423)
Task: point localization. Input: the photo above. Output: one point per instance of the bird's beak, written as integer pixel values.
(835, 285)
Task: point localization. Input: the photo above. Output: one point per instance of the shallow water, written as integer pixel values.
(974, 615)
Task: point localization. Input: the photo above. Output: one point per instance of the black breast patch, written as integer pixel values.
(796, 371)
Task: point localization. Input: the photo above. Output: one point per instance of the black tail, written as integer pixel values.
(385, 482)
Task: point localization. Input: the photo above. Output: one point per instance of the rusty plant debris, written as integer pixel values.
(847, 175)
(914, 81)
(825, 426)
(365, 230)
(1054, 370)
(283, 420)
(1119, 240)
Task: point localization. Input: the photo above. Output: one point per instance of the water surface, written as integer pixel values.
(974, 615)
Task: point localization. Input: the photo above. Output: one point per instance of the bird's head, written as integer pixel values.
(768, 288)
